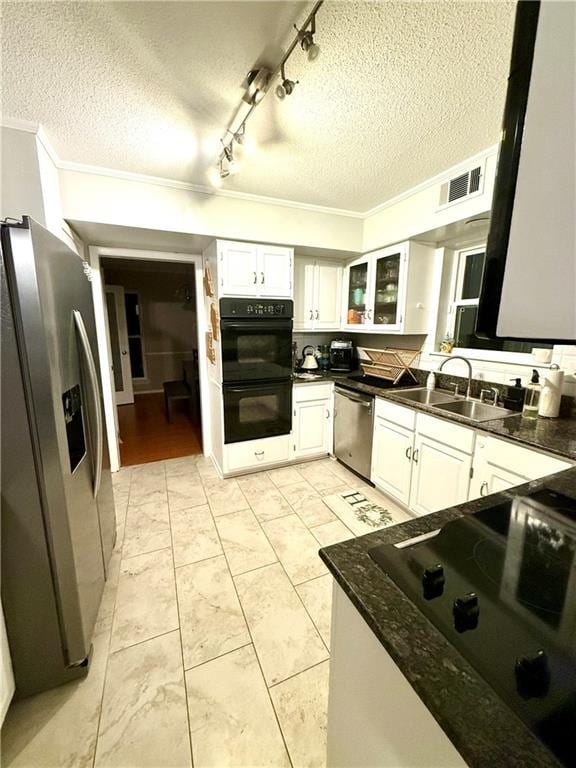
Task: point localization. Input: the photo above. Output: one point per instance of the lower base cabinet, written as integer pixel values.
(312, 420)
(375, 718)
(440, 478)
(422, 461)
(392, 458)
(499, 465)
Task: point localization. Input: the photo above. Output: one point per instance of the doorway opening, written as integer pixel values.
(153, 332)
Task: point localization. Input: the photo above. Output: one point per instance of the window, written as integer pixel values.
(469, 268)
(135, 347)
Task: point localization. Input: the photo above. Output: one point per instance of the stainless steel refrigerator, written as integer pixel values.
(57, 518)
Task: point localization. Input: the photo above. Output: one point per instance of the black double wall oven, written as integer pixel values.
(256, 368)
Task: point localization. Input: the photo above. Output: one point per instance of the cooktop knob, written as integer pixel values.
(433, 581)
(466, 611)
(532, 675)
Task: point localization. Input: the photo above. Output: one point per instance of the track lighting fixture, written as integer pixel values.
(256, 86)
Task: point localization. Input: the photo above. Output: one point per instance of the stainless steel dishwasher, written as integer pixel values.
(353, 421)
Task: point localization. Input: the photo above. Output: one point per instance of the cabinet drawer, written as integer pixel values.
(523, 461)
(316, 391)
(398, 414)
(252, 454)
(461, 438)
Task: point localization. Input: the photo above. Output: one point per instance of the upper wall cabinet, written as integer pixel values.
(317, 294)
(245, 269)
(390, 291)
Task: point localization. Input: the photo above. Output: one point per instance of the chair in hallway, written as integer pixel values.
(185, 389)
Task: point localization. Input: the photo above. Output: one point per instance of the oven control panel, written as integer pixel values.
(255, 308)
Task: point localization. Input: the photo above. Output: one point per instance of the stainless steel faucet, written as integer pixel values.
(459, 357)
(494, 391)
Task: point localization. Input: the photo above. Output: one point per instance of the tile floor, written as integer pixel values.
(211, 647)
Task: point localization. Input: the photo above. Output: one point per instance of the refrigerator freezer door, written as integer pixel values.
(47, 283)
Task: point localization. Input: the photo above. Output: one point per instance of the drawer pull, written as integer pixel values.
(258, 453)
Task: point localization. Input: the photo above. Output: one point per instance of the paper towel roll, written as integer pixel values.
(551, 393)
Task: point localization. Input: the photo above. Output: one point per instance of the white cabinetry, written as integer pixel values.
(246, 269)
(422, 461)
(312, 424)
(317, 294)
(373, 711)
(390, 290)
(441, 476)
(499, 465)
(391, 458)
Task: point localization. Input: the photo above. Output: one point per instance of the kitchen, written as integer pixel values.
(214, 613)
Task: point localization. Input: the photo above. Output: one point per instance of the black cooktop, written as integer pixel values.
(500, 584)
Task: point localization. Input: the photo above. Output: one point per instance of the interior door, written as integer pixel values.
(441, 476)
(328, 296)
(119, 344)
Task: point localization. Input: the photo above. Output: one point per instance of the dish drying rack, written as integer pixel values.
(389, 363)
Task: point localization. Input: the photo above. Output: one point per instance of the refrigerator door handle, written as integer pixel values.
(91, 365)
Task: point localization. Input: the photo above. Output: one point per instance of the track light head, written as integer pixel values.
(310, 48)
(285, 88)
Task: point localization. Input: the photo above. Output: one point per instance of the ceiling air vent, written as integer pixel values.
(462, 186)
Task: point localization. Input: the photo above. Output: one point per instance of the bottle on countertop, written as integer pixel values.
(532, 398)
(514, 396)
(431, 381)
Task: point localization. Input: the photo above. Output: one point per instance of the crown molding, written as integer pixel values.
(433, 181)
(95, 170)
(160, 181)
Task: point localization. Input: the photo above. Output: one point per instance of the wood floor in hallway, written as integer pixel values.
(146, 435)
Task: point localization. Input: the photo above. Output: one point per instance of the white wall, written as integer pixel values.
(416, 212)
(139, 203)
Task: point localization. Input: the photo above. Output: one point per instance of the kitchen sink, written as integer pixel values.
(425, 396)
(474, 410)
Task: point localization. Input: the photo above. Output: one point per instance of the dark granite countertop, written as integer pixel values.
(481, 726)
(555, 436)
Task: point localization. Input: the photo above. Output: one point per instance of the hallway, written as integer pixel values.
(146, 435)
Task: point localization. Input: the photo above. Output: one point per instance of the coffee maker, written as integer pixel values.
(341, 355)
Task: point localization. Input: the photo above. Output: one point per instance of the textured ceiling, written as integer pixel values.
(400, 92)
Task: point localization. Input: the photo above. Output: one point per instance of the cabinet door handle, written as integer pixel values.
(484, 488)
(255, 277)
(368, 314)
(317, 315)
(262, 278)
(327, 413)
(409, 452)
(415, 455)
(311, 315)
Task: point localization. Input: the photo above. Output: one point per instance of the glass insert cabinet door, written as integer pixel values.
(357, 312)
(386, 290)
